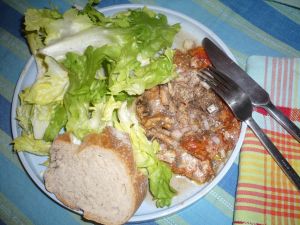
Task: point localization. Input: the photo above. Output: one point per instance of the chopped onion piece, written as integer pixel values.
(188, 44)
(212, 108)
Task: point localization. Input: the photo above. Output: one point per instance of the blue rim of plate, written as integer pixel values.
(165, 211)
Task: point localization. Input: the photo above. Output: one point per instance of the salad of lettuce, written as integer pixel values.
(91, 67)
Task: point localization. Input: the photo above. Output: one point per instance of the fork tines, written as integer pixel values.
(215, 78)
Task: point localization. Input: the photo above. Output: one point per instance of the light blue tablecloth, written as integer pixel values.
(248, 27)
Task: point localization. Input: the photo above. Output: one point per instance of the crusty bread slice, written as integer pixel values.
(98, 177)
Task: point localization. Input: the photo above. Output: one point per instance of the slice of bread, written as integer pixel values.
(98, 177)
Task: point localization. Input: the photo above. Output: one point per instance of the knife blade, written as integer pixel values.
(259, 97)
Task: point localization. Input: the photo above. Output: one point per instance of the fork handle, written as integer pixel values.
(274, 152)
(283, 120)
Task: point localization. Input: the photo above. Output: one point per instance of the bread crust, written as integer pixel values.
(63, 138)
(120, 146)
(123, 148)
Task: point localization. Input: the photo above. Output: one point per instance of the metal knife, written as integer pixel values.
(259, 97)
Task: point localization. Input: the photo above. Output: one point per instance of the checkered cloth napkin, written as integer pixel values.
(264, 193)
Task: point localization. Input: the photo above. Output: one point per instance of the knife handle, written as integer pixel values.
(289, 171)
(285, 122)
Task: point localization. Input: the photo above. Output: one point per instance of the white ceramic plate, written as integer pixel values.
(188, 192)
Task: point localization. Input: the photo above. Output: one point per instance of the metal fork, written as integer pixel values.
(241, 106)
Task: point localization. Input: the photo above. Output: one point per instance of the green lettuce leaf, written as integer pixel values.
(83, 71)
(151, 30)
(71, 23)
(35, 22)
(29, 144)
(96, 16)
(57, 121)
(159, 71)
(50, 87)
(46, 26)
(40, 118)
(144, 151)
(86, 99)
(140, 44)
(24, 113)
(41, 111)
(84, 118)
